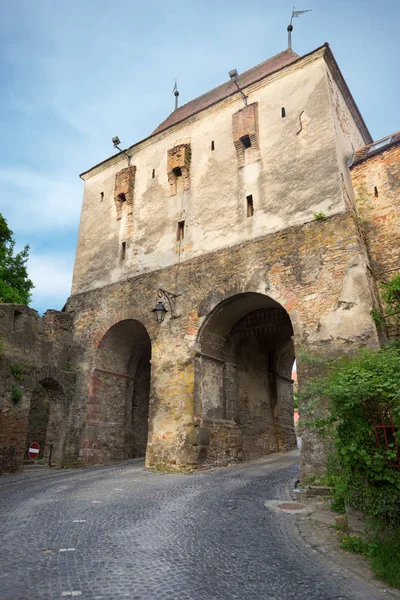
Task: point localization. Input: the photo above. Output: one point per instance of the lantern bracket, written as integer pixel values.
(170, 298)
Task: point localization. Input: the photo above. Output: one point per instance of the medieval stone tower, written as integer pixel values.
(238, 212)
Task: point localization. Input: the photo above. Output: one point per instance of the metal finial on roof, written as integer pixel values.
(295, 13)
(176, 93)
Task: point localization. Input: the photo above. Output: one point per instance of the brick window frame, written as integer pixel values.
(245, 125)
(124, 186)
(179, 159)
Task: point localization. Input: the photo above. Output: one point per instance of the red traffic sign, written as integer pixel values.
(33, 450)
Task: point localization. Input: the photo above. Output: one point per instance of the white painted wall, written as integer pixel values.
(295, 175)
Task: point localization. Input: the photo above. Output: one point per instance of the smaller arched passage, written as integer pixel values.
(118, 406)
(48, 420)
(243, 386)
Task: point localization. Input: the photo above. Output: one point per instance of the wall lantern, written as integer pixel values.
(159, 311)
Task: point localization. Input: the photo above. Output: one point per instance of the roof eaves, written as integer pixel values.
(340, 80)
(158, 132)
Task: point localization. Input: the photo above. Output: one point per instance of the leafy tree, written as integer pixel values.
(15, 285)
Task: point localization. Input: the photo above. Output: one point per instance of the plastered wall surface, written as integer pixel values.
(293, 175)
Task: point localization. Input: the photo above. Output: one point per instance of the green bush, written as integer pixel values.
(16, 393)
(18, 372)
(353, 392)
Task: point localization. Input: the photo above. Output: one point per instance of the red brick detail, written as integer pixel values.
(179, 158)
(245, 122)
(123, 190)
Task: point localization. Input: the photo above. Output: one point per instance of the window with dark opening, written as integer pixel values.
(123, 250)
(181, 231)
(376, 194)
(122, 197)
(246, 141)
(283, 112)
(250, 206)
(177, 171)
(153, 174)
(212, 145)
(101, 196)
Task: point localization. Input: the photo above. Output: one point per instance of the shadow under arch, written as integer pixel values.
(118, 407)
(47, 420)
(243, 386)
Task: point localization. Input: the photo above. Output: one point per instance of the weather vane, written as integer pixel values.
(295, 13)
(176, 93)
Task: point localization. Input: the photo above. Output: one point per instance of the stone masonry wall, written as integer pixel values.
(34, 349)
(317, 272)
(376, 183)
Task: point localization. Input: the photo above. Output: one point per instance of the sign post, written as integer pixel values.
(33, 450)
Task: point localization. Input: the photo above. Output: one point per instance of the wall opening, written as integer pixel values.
(376, 193)
(118, 406)
(122, 197)
(181, 231)
(243, 383)
(246, 141)
(123, 251)
(250, 206)
(47, 420)
(212, 146)
(101, 196)
(177, 171)
(283, 112)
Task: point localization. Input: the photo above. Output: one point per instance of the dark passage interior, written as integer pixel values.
(47, 417)
(243, 385)
(118, 429)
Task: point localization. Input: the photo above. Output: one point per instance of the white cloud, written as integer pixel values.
(52, 277)
(36, 202)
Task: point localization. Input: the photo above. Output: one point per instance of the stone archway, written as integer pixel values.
(47, 420)
(243, 386)
(118, 407)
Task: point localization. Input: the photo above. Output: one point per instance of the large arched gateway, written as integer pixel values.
(243, 386)
(118, 407)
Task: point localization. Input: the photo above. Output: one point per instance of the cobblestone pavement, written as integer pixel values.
(123, 532)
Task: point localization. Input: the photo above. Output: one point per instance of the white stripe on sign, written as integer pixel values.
(96, 501)
(67, 549)
(118, 490)
(79, 521)
(75, 593)
(34, 450)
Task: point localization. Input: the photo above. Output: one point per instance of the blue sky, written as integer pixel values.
(74, 74)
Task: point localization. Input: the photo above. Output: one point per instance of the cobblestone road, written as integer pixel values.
(122, 532)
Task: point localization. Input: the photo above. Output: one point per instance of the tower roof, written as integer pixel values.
(273, 64)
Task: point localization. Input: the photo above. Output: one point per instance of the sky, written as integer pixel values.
(75, 73)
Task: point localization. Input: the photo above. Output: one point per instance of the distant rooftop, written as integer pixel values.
(273, 64)
(376, 147)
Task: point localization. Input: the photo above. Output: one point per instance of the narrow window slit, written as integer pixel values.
(122, 197)
(101, 196)
(250, 206)
(153, 174)
(376, 193)
(181, 231)
(283, 112)
(212, 145)
(123, 251)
